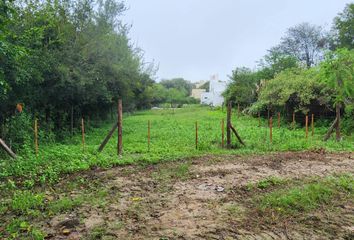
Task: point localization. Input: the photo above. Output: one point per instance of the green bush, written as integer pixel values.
(20, 131)
(347, 120)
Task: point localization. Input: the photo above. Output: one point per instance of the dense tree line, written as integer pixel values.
(56, 55)
(311, 70)
(175, 91)
(61, 60)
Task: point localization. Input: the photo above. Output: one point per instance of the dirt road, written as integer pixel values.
(204, 198)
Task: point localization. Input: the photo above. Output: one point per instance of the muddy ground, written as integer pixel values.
(202, 198)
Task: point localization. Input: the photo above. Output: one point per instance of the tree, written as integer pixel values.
(179, 83)
(206, 86)
(275, 62)
(242, 88)
(337, 72)
(344, 28)
(305, 42)
(293, 90)
(69, 58)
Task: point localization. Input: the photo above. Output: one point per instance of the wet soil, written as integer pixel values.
(203, 198)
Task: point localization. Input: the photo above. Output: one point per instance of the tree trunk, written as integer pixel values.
(338, 107)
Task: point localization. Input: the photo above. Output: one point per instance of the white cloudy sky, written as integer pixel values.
(194, 39)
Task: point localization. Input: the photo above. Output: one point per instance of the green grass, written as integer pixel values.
(307, 197)
(26, 202)
(165, 175)
(20, 229)
(172, 137)
(176, 172)
(266, 183)
(65, 204)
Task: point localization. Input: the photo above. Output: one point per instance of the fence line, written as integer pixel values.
(229, 126)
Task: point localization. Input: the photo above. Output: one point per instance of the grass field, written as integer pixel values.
(274, 188)
(172, 137)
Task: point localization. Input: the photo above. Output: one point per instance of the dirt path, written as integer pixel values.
(205, 198)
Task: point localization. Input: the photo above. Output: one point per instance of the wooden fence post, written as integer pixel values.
(228, 126)
(83, 134)
(307, 125)
(238, 110)
(293, 123)
(222, 133)
(278, 119)
(271, 129)
(313, 124)
(196, 135)
(120, 119)
(149, 135)
(36, 136)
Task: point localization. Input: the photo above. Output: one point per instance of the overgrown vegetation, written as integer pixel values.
(172, 93)
(172, 137)
(63, 60)
(310, 71)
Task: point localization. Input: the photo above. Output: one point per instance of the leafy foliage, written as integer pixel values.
(242, 88)
(172, 137)
(305, 42)
(178, 83)
(275, 62)
(338, 73)
(65, 54)
(301, 74)
(294, 88)
(344, 28)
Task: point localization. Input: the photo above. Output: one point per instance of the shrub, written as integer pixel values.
(20, 132)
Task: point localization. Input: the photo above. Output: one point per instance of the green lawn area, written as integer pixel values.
(172, 137)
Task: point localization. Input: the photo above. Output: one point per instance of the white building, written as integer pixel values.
(214, 96)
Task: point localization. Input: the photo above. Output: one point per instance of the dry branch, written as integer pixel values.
(7, 149)
(238, 136)
(330, 130)
(109, 135)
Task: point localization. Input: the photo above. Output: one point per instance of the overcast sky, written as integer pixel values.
(194, 39)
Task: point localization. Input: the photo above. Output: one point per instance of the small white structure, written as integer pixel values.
(214, 97)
